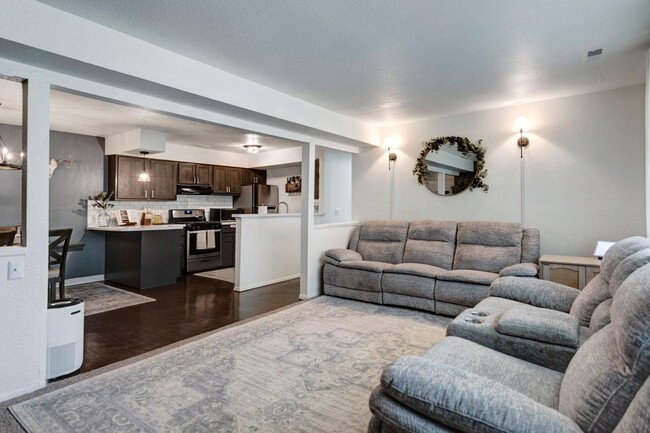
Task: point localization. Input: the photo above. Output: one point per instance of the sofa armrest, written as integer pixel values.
(540, 324)
(520, 270)
(337, 255)
(538, 293)
(466, 401)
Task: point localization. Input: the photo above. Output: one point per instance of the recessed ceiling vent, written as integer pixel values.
(593, 55)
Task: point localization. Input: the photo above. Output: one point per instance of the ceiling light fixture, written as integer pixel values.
(144, 176)
(10, 160)
(521, 125)
(252, 148)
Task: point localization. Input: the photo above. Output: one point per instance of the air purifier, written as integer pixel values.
(65, 337)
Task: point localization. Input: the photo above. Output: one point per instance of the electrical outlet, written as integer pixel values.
(16, 270)
(337, 211)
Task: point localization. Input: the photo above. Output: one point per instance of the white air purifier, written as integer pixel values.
(65, 337)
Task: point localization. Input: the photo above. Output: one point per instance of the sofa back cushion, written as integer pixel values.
(611, 366)
(382, 241)
(530, 246)
(487, 246)
(594, 293)
(431, 243)
(619, 252)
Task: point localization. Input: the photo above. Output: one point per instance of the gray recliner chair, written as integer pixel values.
(459, 385)
(545, 322)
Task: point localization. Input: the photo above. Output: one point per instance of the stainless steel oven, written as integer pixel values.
(202, 246)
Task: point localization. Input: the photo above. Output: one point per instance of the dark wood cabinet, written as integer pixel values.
(249, 176)
(194, 174)
(123, 172)
(228, 240)
(227, 180)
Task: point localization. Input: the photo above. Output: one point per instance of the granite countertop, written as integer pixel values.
(139, 228)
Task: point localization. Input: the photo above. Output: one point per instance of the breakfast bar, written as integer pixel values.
(142, 256)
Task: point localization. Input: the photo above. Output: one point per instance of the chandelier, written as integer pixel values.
(10, 160)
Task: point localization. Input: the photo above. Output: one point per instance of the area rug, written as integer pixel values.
(307, 368)
(227, 274)
(99, 297)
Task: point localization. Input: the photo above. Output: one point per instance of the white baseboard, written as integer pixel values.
(265, 283)
(84, 280)
(18, 392)
(306, 297)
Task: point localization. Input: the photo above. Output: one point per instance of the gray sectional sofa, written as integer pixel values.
(439, 266)
(459, 385)
(544, 322)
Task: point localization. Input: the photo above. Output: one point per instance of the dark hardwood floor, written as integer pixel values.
(190, 307)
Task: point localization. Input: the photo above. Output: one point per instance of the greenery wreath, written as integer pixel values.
(465, 147)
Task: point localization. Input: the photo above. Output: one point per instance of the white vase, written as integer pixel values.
(104, 219)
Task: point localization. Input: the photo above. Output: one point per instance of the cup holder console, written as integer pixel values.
(473, 320)
(477, 313)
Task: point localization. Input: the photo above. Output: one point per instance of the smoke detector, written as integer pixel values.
(593, 55)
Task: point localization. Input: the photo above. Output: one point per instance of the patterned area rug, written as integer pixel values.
(308, 368)
(227, 274)
(99, 297)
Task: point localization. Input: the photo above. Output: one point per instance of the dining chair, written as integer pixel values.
(7, 238)
(58, 252)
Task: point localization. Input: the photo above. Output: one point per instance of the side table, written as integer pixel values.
(568, 270)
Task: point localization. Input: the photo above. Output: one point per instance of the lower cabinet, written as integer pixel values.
(228, 240)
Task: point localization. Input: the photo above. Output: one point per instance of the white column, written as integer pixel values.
(23, 315)
(307, 290)
(647, 144)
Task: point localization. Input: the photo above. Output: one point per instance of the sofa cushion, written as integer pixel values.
(460, 293)
(637, 416)
(432, 243)
(540, 324)
(365, 276)
(468, 276)
(416, 269)
(487, 246)
(601, 316)
(342, 255)
(619, 252)
(411, 285)
(382, 241)
(612, 365)
(530, 246)
(539, 293)
(520, 270)
(627, 266)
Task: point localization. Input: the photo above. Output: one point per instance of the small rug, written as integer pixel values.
(307, 368)
(227, 274)
(99, 297)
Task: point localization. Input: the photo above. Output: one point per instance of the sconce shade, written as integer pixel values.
(144, 176)
(252, 148)
(389, 143)
(521, 124)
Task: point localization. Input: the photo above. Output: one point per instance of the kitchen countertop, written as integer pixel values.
(139, 228)
(265, 215)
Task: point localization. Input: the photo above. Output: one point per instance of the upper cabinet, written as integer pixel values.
(227, 180)
(123, 172)
(249, 176)
(194, 174)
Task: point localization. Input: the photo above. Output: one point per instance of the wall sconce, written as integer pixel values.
(388, 143)
(521, 125)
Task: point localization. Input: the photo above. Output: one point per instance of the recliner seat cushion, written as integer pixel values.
(487, 246)
(468, 276)
(460, 293)
(432, 243)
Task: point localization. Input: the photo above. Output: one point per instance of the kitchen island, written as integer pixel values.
(142, 256)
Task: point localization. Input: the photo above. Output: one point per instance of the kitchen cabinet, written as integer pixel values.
(249, 176)
(228, 240)
(227, 180)
(123, 172)
(194, 174)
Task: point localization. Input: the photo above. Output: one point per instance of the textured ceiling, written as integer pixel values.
(393, 61)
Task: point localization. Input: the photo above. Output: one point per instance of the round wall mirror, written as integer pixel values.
(450, 165)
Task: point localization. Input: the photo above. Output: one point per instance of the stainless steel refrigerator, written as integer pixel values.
(256, 195)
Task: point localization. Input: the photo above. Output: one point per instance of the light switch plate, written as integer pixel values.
(337, 211)
(16, 270)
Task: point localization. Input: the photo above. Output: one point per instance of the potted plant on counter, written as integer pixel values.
(101, 201)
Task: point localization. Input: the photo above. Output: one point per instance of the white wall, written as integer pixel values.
(647, 144)
(584, 170)
(335, 187)
(278, 176)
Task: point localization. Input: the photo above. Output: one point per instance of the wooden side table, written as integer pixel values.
(571, 271)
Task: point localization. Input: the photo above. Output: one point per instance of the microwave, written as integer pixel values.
(223, 214)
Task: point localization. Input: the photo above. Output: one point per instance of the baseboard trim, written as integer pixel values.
(84, 280)
(265, 283)
(18, 392)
